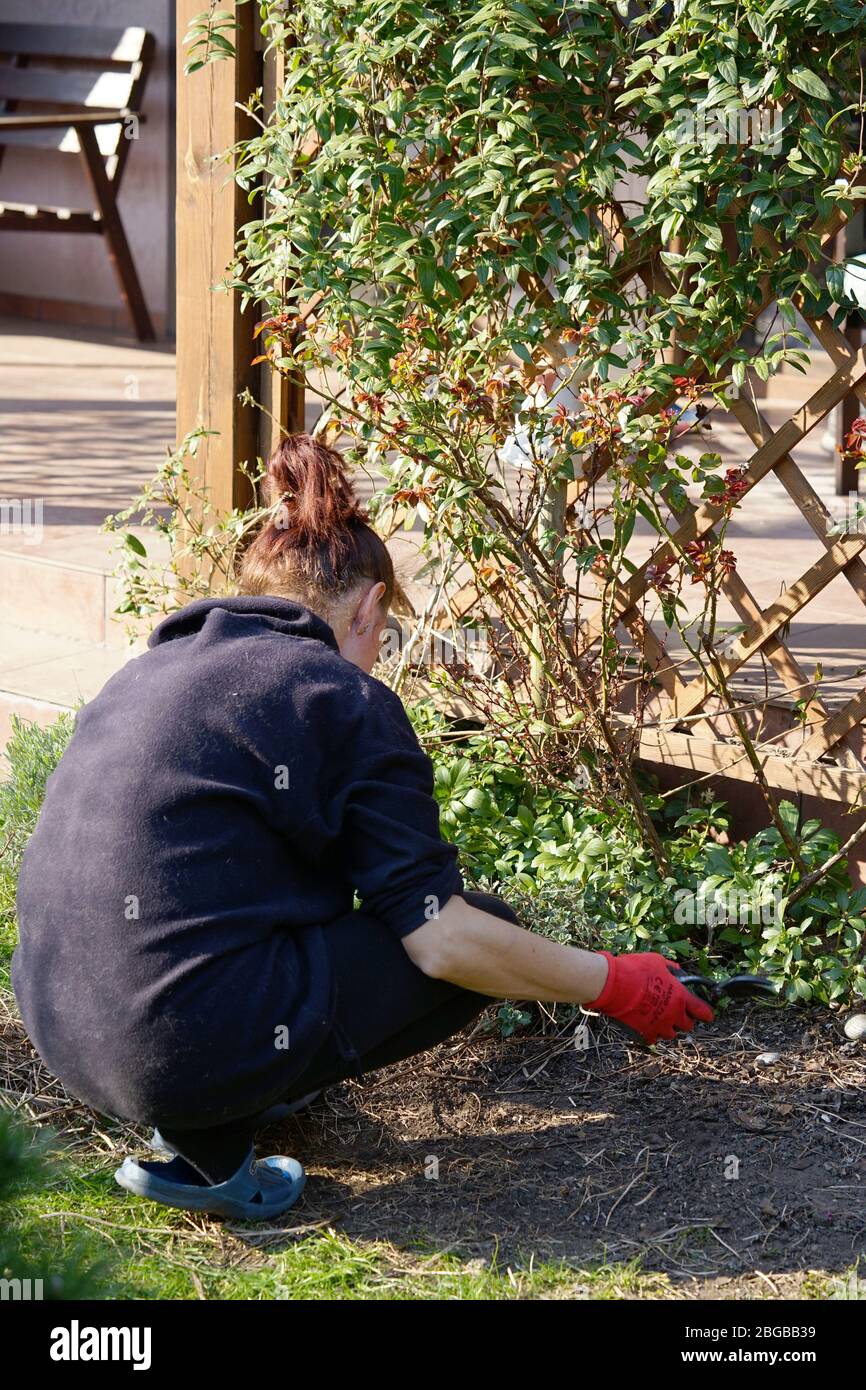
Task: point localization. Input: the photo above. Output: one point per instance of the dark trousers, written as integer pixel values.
(387, 1009)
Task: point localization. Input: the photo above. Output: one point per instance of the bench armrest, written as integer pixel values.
(63, 119)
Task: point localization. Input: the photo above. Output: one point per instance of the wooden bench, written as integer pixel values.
(82, 90)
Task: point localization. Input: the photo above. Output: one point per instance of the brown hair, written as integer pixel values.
(318, 543)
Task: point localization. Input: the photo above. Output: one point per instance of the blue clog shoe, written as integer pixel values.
(260, 1190)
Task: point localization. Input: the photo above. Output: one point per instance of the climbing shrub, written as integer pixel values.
(455, 215)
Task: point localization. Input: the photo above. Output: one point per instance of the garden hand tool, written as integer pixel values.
(699, 991)
(733, 987)
(644, 993)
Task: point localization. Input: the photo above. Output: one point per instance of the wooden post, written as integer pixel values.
(847, 474)
(849, 242)
(551, 520)
(214, 339)
(281, 397)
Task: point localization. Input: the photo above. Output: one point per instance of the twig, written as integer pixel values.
(817, 874)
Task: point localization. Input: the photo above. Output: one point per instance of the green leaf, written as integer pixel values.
(789, 816)
(810, 83)
(728, 70)
(134, 544)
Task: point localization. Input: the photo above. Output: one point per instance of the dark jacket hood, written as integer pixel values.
(262, 611)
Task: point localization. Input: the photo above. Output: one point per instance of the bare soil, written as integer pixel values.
(731, 1177)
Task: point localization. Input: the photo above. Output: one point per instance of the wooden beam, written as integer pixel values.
(795, 774)
(843, 722)
(215, 344)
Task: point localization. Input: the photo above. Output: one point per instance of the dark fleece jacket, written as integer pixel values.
(221, 799)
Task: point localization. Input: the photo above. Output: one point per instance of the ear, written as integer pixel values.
(369, 610)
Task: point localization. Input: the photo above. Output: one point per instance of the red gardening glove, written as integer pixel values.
(642, 991)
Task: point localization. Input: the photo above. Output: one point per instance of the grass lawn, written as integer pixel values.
(152, 1253)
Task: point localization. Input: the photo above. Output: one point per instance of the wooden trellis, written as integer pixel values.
(810, 769)
(824, 764)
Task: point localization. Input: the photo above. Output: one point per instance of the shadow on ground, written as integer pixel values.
(697, 1158)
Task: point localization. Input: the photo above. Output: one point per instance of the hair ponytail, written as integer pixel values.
(318, 543)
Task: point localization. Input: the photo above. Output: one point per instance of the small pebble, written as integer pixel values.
(855, 1028)
(768, 1059)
